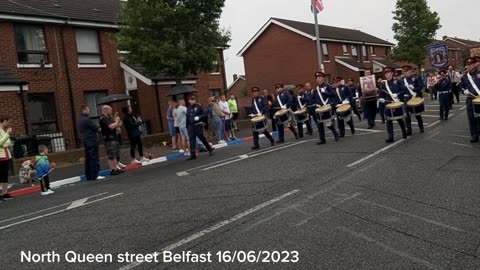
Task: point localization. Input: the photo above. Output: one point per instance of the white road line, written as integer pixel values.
(56, 212)
(457, 144)
(77, 203)
(50, 208)
(391, 249)
(184, 173)
(374, 154)
(216, 226)
(368, 130)
(242, 157)
(434, 124)
(433, 116)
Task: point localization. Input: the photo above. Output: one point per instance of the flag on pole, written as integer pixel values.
(317, 6)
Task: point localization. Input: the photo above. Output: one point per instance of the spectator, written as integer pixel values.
(171, 124)
(177, 129)
(431, 82)
(182, 125)
(217, 116)
(133, 125)
(89, 136)
(27, 173)
(44, 168)
(265, 93)
(5, 157)
(233, 105)
(229, 132)
(108, 125)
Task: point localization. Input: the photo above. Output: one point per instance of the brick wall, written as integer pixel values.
(54, 80)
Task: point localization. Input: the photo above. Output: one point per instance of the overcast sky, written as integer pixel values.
(245, 17)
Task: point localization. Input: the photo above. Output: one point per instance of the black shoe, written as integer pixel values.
(441, 118)
(296, 136)
(255, 147)
(320, 143)
(405, 136)
(272, 143)
(337, 138)
(114, 172)
(409, 133)
(422, 130)
(446, 118)
(390, 140)
(120, 171)
(210, 152)
(354, 131)
(300, 136)
(280, 141)
(473, 140)
(7, 196)
(192, 157)
(310, 133)
(342, 135)
(383, 121)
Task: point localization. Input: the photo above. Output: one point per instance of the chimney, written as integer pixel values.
(235, 77)
(445, 37)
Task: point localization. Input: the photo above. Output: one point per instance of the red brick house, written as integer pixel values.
(151, 93)
(238, 88)
(285, 51)
(66, 52)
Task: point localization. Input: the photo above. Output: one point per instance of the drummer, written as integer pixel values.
(392, 91)
(284, 101)
(344, 97)
(471, 88)
(444, 88)
(301, 100)
(308, 94)
(413, 89)
(323, 95)
(356, 94)
(259, 108)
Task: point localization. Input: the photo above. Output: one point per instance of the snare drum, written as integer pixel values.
(394, 111)
(259, 123)
(416, 106)
(282, 116)
(345, 112)
(301, 115)
(324, 114)
(476, 107)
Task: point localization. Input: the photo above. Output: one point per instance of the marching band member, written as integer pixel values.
(323, 95)
(259, 107)
(444, 88)
(301, 100)
(471, 88)
(414, 86)
(344, 97)
(355, 96)
(392, 92)
(284, 101)
(196, 117)
(310, 106)
(381, 105)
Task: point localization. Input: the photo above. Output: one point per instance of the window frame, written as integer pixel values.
(352, 47)
(28, 52)
(325, 50)
(345, 49)
(99, 110)
(100, 53)
(365, 54)
(372, 50)
(53, 104)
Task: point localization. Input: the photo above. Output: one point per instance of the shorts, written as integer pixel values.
(177, 130)
(4, 168)
(228, 124)
(184, 132)
(172, 130)
(235, 116)
(113, 149)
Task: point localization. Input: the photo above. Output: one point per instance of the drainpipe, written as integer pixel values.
(224, 73)
(70, 89)
(159, 109)
(22, 99)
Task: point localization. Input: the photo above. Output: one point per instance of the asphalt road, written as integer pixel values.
(353, 204)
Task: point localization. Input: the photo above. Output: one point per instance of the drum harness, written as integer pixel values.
(321, 97)
(300, 102)
(256, 106)
(409, 87)
(473, 84)
(390, 92)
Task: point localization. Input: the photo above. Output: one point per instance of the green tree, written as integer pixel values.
(415, 27)
(173, 37)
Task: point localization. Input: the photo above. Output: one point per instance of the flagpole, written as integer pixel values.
(317, 35)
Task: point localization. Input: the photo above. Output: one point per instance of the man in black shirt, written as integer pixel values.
(89, 135)
(109, 125)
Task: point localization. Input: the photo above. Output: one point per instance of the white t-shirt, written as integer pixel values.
(182, 116)
(175, 118)
(225, 108)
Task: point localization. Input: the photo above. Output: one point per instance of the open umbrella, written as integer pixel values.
(113, 99)
(182, 90)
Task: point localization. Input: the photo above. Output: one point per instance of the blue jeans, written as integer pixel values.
(218, 126)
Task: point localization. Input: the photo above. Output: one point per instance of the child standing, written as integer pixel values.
(43, 169)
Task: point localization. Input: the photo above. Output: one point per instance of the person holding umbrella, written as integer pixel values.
(133, 126)
(109, 125)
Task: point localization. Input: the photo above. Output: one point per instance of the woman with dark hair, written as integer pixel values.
(5, 157)
(133, 126)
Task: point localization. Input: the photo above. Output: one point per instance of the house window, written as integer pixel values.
(364, 53)
(41, 113)
(88, 47)
(345, 49)
(354, 50)
(31, 48)
(215, 92)
(91, 100)
(372, 51)
(325, 50)
(216, 67)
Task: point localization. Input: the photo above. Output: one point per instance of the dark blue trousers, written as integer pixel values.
(473, 122)
(92, 160)
(444, 100)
